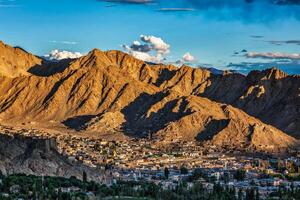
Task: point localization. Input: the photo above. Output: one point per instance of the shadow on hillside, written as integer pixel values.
(78, 122)
(164, 75)
(48, 68)
(212, 129)
(231, 87)
(56, 87)
(225, 88)
(139, 125)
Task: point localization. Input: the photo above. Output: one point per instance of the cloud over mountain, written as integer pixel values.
(60, 55)
(244, 67)
(153, 49)
(156, 43)
(188, 57)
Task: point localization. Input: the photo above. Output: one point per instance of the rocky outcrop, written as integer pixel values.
(19, 154)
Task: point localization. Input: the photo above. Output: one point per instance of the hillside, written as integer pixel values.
(113, 93)
(38, 157)
(15, 61)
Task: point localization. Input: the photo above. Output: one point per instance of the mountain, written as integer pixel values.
(112, 93)
(218, 71)
(16, 61)
(270, 95)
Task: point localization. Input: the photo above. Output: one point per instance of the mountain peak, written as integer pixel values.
(96, 54)
(15, 61)
(94, 58)
(267, 74)
(274, 73)
(96, 51)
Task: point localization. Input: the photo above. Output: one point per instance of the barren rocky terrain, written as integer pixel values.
(111, 93)
(40, 157)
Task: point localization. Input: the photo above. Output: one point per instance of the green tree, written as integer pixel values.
(250, 194)
(84, 177)
(257, 196)
(293, 167)
(240, 194)
(184, 170)
(240, 175)
(167, 173)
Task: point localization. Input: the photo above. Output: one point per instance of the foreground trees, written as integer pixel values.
(32, 187)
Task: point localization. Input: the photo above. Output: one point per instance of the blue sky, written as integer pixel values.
(235, 34)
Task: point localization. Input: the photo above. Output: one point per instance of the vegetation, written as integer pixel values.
(240, 175)
(33, 187)
(166, 172)
(286, 194)
(184, 170)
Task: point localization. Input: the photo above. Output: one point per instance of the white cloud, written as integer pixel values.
(188, 57)
(291, 66)
(64, 42)
(153, 49)
(176, 9)
(147, 57)
(60, 55)
(157, 44)
(137, 46)
(275, 55)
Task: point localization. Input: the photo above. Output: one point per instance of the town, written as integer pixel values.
(181, 162)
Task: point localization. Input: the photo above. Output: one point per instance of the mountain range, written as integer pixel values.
(113, 94)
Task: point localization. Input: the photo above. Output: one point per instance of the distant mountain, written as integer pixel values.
(218, 71)
(111, 93)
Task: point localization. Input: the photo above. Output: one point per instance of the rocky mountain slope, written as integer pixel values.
(112, 92)
(15, 62)
(270, 95)
(19, 154)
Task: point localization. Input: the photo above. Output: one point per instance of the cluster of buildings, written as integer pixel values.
(135, 160)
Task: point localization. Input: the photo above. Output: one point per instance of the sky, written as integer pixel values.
(240, 35)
